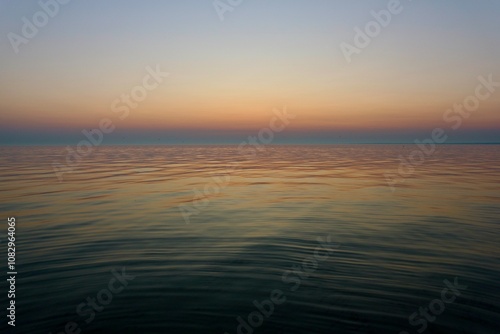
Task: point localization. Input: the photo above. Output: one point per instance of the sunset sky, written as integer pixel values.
(226, 76)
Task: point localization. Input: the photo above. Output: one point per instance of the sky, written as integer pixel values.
(230, 66)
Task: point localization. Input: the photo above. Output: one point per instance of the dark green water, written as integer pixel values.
(255, 232)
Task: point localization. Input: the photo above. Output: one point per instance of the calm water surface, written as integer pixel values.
(120, 208)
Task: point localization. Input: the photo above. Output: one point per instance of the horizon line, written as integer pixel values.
(280, 144)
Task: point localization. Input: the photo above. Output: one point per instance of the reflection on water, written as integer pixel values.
(119, 208)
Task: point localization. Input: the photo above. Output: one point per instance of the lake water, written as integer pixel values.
(206, 231)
